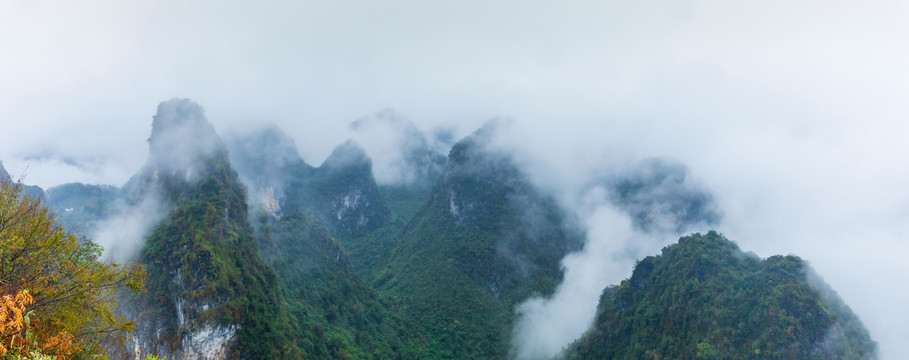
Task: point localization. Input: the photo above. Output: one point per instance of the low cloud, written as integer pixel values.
(123, 234)
(628, 213)
(401, 153)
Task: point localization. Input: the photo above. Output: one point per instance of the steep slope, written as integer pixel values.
(406, 166)
(342, 193)
(265, 158)
(485, 240)
(339, 314)
(210, 295)
(704, 298)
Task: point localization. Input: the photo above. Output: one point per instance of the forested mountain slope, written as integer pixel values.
(210, 295)
(485, 240)
(703, 298)
(339, 314)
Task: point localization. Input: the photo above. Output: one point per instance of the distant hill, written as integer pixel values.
(28, 190)
(80, 207)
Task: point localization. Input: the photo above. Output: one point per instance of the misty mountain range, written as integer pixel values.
(252, 253)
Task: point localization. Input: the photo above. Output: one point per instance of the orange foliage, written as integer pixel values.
(18, 330)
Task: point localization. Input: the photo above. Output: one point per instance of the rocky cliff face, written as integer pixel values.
(346, 197)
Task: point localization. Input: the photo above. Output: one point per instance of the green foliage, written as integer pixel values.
(341, 193)
(72, 288)
(369, 253)
(703, 298)
(335, 313)
(338, 314)
(204, 252)
(483, 242)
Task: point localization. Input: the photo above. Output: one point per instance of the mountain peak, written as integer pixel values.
(348, 154)
(4, 175)
(704, 298)
(180, 135)
(263, 154)
(401, 152)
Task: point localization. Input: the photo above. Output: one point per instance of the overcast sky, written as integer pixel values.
(794, 113)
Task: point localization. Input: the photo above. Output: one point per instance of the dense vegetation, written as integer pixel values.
(338, 314)
(702, 298)
(204, 253)
(56, 293)
(484, 241)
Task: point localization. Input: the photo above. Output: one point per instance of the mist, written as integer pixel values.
(628, 211)
(180, 139)
(791, 113)
(401, 153)
(123, 234)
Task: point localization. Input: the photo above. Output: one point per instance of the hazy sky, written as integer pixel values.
(793, 112)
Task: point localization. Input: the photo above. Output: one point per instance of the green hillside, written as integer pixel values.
(339, 315)
(484, 241)
(703, 298)
(207, 285)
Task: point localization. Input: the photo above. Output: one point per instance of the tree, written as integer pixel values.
(70, 288)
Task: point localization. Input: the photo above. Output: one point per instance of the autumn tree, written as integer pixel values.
(70, 289)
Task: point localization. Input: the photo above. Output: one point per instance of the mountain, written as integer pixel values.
(339, 314)
(485, 239)
(403, 154)
(659, 196)
(406, 165)
(704, 298)
(210, 295)
(265, 158)
(28, 190)
(80, 207)
(341, 193)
